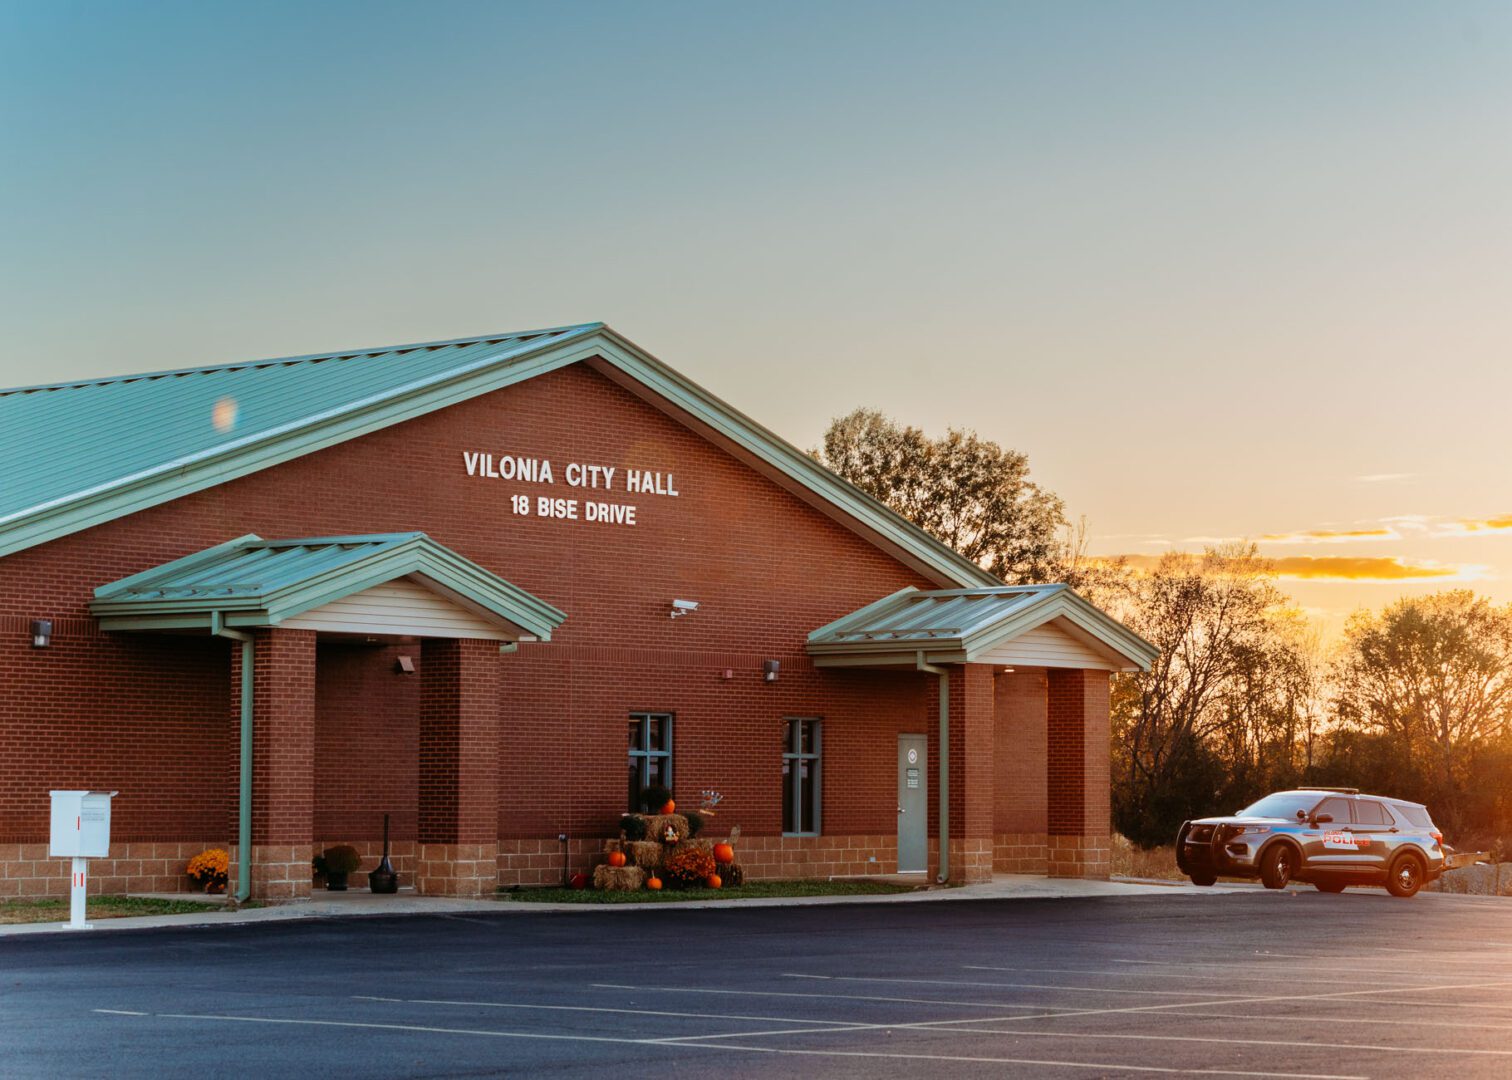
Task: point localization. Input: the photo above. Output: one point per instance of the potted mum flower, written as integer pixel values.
(208, 870)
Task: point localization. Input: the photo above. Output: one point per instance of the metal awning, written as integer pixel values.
(915, 627)
(250, 582)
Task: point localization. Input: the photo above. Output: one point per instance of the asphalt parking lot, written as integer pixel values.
(1250, 984)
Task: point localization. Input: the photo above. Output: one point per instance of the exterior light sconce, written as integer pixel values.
(769, 670)
(683, 607)
(404, 665)
(41, 632)
(1007, 671)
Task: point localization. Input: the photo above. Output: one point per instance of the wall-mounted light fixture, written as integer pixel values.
(404, 665)
(769, 670)
(41, 633)
(683, 607)
(1007, 671)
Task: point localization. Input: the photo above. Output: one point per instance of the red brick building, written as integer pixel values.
(489, 587)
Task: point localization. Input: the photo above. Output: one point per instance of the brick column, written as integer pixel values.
(972, 732)
(283, 762)
(1077, 774)
(458, 848)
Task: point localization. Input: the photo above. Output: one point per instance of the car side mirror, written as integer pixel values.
(1323, 819)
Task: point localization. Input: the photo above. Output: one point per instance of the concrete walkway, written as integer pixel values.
(325, 905)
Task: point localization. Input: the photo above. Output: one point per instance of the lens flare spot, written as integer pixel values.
(223, 416)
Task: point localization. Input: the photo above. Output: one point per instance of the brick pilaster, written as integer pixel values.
(283, 761)
(1077, 773)
(972, 734)
(459, 754)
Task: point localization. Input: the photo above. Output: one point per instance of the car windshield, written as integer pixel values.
(1284, 804)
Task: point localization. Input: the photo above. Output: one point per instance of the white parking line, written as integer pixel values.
(1260, 1000)
(1101, 1066)
(1228, 1041)
(1292, 979)
(605, 1009)
(1460, 956)
(1308, 1018)
(1011, 986)
(824, 997)
(1260, 961)
(1041, 1062)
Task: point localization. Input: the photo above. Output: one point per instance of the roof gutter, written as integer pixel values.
(944, 673)
(244, 798)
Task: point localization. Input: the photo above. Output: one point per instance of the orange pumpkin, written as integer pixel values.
(714, 881)
(724, 853)
(653, 883)
(616, 858)
(669, 807)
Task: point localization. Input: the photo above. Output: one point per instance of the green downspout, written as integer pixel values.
(944, 674)
(244, 800)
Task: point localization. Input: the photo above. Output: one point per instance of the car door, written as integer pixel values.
(1331, 844)
(1374, 833)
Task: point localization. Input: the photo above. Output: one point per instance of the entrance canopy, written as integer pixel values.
(386, 584)
(1031, 625)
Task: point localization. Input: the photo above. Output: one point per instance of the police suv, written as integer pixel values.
(1330, 837)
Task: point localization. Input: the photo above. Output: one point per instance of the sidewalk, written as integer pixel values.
(326, 905)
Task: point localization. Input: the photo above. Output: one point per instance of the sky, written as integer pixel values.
(1221, 270)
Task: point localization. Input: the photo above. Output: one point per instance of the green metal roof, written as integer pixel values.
(76, 454)
(250, 582)
(959, 625)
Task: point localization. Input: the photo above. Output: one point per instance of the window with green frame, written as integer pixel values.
(650, 754)
(802, 769)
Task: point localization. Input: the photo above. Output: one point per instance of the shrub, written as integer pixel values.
(695, 824)
(633, 826)
(341, 859)
(654, 797)
(688, 867)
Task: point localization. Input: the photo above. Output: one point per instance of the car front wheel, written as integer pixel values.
(1405, 877)
(1278, 865)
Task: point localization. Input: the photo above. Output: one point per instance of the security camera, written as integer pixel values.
(682, 607)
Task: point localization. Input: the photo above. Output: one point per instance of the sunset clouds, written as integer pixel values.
(1331, 536)
(1389, 528)
(1352, 568)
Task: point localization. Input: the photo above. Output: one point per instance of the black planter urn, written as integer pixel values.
(382, 878)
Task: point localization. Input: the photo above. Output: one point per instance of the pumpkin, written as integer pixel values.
(653, 883)
(669, 807)
(714, 881)
(616, 858)
(724, 853)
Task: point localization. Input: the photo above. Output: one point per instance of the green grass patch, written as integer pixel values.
(750, 891)
(51, 909)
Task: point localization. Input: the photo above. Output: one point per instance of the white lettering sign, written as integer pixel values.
(487, 465)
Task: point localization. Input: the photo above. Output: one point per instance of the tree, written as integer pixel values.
(1220, 716)
(967, 491)
(1432, 677)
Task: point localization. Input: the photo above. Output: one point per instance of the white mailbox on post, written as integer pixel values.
(80, 831)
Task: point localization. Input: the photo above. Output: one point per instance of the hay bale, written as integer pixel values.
(656, 825)
(643, 853)
(618, 878)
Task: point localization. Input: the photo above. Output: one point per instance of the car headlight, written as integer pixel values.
(1250, 830)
